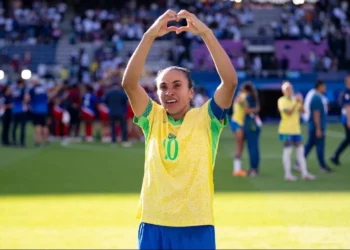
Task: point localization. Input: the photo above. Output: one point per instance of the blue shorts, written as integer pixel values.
(161, 237)
(235, 126)
(290, 138)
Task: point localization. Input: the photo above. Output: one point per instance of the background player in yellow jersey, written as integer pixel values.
(289, 130)
(237, 124)
(176, 203)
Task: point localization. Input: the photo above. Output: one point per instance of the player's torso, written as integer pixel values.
(18, 97)
(39, 100)
(178, 189)
(89, 101)
(290, 124)
(40, 93)
(238, 110)
(174, 143)
(322, 106)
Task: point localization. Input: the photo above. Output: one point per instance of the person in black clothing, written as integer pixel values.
(345, 119)
(19, 111)
(6, 117)
(116, 101)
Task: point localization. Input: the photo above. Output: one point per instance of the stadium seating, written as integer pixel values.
(41, 53)
(201, 55)
(295, 50)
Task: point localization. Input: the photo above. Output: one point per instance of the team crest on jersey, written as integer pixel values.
(171, 136)
(347, 97)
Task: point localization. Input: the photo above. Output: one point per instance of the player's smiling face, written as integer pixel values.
(174, 92)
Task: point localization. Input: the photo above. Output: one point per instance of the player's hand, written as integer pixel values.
(299, 98)
(318, 133)
(348, 124)
(194, 25)
(160, 26)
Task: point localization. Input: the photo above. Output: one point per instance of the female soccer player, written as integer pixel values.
(252, 127)
(290, 132)
(237, 123)
(176, 203)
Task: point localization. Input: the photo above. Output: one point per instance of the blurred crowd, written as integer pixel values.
(93, 76)
(35, 25)
(71, 111)
(66, 111)
(131, 22)
(327, 19)
(113, 27)
(109, 29)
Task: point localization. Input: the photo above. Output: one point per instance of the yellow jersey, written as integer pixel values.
(289, 124)
(178, 188)
(238, 110)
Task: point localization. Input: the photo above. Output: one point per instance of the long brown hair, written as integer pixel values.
(250, 89)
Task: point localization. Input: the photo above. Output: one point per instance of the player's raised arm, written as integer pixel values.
(224, 94)
(287, 90)
(299, 99)
(136, 94)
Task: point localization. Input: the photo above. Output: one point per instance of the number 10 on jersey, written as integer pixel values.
(171, 149)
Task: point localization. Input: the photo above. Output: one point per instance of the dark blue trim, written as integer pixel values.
(218, 112)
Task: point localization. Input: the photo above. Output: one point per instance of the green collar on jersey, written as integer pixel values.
(178, 122)
(173, 122)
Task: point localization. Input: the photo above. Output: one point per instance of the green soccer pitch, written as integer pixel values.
(85, 196)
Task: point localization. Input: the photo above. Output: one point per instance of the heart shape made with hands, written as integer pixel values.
(170, 23)
(178, 23)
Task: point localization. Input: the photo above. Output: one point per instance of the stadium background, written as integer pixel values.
(85, 196)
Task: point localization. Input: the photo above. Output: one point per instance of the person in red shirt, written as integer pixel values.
(103, 113)
(61, 128)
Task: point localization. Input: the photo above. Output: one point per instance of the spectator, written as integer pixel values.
(19, 110)
(6, 111)
(117, 101)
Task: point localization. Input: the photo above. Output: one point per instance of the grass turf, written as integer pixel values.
(85, 196)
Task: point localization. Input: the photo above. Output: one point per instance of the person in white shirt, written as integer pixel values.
(307, 102)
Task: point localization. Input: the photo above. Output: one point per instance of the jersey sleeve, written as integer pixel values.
(215, 125)
(218, 112)
(145, 121)
(217, 115)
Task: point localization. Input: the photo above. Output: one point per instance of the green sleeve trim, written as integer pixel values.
(221, 124)
(216, 127)
(143, 121)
